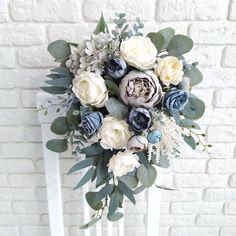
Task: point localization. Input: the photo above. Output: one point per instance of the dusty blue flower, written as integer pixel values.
(139, 119)
(175, 99)
(91, 122)
(154, 136)
(116, 68)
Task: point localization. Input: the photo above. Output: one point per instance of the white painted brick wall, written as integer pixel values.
(206, 202)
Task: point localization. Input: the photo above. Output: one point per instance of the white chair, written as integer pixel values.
(53, 185)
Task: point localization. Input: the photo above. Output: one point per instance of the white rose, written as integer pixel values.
(114, 133)
(169, 70)
(90, 89)
(123, 163)
(139, 52)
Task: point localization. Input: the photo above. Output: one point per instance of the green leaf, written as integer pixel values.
(167, 34)
(189, 124)
(90, 223)
(82, 164)
(139, 189)
(126, 191)
(146, 176)
(130, 181)
(114, 203)
(165, 188)
(190, 141)
(116, 108)
(157, 39)
(57, 145)
(101, 171)
(85, 179)
(90, 196)
(194, 109)
(63, 82)
(105, 191)
(60, 126)
(93, 149)
(54, 90)
(112, 87)
(163, 161)
(194, 74)
(72, 119)
(143, 158)
(116, 216)
(101, 26)
(63, 72)
(179, 44)
(60, 50)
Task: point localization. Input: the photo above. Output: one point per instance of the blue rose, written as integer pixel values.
(91, 122)
(154, 136)
(175, 99)
(139, 119)
(116, 68)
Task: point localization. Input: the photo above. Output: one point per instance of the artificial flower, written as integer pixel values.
(154, 136)
(137, 143)
(91, 122)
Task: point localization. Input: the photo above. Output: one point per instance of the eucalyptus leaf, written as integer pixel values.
(186, 123)
(82, 164)
(85, 179)
(90, 196)
(163, 161)
(57, 145)
(63, 82)
(62, 72)
(139, 189)
(105, 191)
(116, 108)
(157, 39)
(126, 191)
(54, 90)
(116, 216)
(101, 26)
(60, 126)
(112, 87)
(114, 203)
(179, 44)
(93, 149)
(130, 181)
(143, 158)
(167, 34)
(72, 119)
(194, 74)
(60, 50)
(146, 176)
(101, 171)
(194, 109)
(92, 222)
(190, 141)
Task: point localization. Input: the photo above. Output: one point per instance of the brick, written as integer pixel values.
(3, 180)
(9, 231)
(221, 166)
(22, 78)
(92, 9)
(5, 208)
(212, 220)
(201, 180)
(229, 57)
(189, 166)
(8, 98)
(164, 231)
(22, 150)
(230, 208)
(11, 134)
(14, 194)
(225, 97)
(26, 180)
(30, 207)
(19, 219)
(4, 17)
(213, 32)
(28, 98)
(232, 12)
(20, 166)
(22, 34)
(196, 208)
(191, 10)
(32, 134)
(194, 231)
(7, 58)
(45, 11)
(178, 220)
(225, 134)
(233, 181)
(73, 207)
(18, 117)
(227, 231)
(220, 194)
(37, 57)
(70, 32)
(35, 230)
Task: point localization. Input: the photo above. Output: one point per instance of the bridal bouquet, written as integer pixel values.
(128, 106)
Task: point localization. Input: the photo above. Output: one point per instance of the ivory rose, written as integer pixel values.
(90, 89)
(139, 52)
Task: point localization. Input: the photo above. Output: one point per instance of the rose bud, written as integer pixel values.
(116, 68)
(154, 136)
(140, 89)
(175, 99)
(91, 122)
(139, 119)
(137, 143)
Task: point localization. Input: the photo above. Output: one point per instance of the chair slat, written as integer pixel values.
(109, 228)
(121, 224)
(99, 228)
